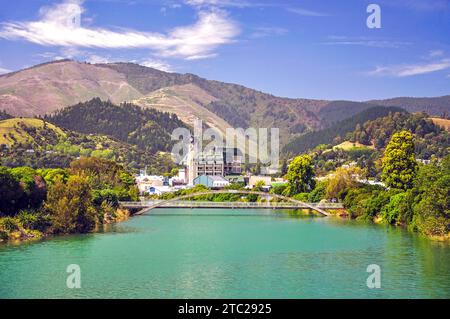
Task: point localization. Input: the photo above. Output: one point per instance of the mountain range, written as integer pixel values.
(46, 88)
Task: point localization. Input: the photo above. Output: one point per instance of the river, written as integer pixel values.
(222, 253)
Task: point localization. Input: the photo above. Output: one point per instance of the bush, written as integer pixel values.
(432, 226)
(318, 193)
(355, 201)
(278, 189)
(301, 197)
(33, 220)
(399, 209)
(70, 206)
(9, 224)
(106, 195)
(3, 235)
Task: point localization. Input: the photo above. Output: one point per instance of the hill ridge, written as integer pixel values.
(51, 86)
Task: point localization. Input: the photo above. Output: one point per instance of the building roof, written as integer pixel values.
(215, 178)
(218, 178)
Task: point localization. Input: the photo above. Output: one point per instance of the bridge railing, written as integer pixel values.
(190, 203)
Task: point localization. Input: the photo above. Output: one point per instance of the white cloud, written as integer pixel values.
(200, 57)
(411, 70)
(4, 71)
(96, 59)
(58, 26)
(222, 3)
(262, 32)
(364, 41)
(71, 52)
(435, 53)
(306, 12)
(156, 64)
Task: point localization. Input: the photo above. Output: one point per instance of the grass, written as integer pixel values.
(444, 123)
(347, 145)
(11, 131)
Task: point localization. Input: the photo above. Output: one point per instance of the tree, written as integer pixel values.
(33, 186)
(399, 164)
(318, 193)
(51, 174)
(300, 175)
(284, 167)
(342, 179)
(399, 209)
(432, 205)
(105, 174)
(10, 192)
(259, 185)
(70, 205)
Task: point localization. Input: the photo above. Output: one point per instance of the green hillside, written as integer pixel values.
(148, 129)
(338, 130)
(37, 143)
(30, 132)
(430, 139)
(367, 142)
(46, 88)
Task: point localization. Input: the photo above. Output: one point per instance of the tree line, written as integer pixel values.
(35, 203)
(148, 129)
(414, 195)
(337, 131)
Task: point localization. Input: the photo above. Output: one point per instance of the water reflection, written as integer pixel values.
(216, 253)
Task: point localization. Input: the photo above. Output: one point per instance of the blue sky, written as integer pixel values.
(312, 49)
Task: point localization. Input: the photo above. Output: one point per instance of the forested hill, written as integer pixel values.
(429, 138)
(438, 106)
(37, 143)
(45, 88)
(338, 130)
(148, 129)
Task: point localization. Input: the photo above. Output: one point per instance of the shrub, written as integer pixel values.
(301, 197)
(9, 224)
(106, 195)
(318, 193)
(399, 209)
(33, 220)
(278, 189)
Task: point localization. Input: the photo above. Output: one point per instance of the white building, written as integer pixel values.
(179, 179)
(255, 179)
(159, 190)
(144, 181)
(211, 181)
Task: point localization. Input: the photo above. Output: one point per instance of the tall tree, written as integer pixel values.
(341, 180)
(10, 192)
(399, 164)
(70, 205)
(300, 175)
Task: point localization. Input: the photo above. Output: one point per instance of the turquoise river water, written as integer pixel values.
(220, 253)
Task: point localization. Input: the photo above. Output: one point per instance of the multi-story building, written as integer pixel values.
(215, 162)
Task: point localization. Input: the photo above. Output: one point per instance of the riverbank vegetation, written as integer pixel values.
(36, 203)
(414, 195)
(37, 143)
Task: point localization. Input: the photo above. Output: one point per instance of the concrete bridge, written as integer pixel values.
(146, 206)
